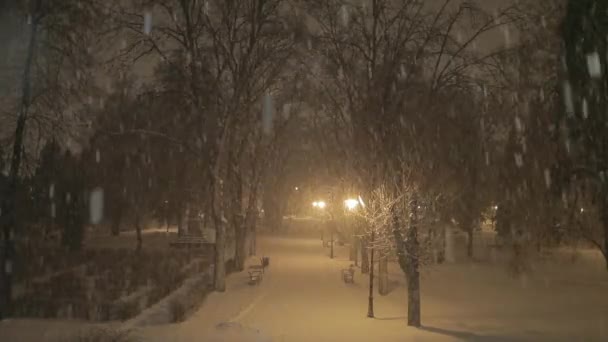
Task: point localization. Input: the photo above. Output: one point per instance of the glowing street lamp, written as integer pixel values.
(319, 204)
(351, 204)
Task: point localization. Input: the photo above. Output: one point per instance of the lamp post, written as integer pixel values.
(320, 205)
(352, 205)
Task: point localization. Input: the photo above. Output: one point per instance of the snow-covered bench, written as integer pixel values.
(256, 272)
(255, 276)
(348, 275)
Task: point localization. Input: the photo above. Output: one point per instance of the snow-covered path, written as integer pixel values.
(302, 298)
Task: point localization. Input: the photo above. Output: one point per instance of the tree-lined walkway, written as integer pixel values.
(302, 298)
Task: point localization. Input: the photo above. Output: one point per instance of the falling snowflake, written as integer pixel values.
(96, 206)
(547, 178)
(594, 65)
(344, 16)
(97, 156)
(518, 125)
(507, 34)
(147, 21)
(568, 98)
(541, 94)
(585, 109)
(402, 72)
(519, 160)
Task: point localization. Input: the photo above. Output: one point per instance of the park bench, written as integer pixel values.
(188, 241)
(255, 276)
(256, 272)
(348, 275)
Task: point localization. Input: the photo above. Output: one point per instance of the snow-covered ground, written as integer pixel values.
(302, 298)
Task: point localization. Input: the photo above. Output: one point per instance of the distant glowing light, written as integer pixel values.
(296, 188)
(351, 204)
(582, 210)
(319, 204)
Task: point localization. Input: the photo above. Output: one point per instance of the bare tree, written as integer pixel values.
(382, 65)
(59, 40)
(233, 54)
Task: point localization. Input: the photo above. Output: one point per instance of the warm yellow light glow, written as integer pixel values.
(351, 204)
(321, 204)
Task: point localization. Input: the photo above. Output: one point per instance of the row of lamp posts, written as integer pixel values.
(350, 204)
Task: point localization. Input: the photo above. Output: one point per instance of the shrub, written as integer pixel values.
(177, 310)
(124, 310)
(103, 335)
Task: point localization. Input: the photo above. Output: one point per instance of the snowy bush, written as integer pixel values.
(103, 335)
(112, 285)
(177, 310)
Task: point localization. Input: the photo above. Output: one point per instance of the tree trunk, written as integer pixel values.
(364, 257)
(604, 216)
(605, 251)
(219, 276)
(250, 228)
(254, 237)
(251, 218)
(408, 251)
(370, 304)
(442, 245)
(8, 219)
(240, 243)
(470, 242)
(138, 232)
(180, 221)
(357, 243)
(383, 276)
(115, 228)
(413, 278)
